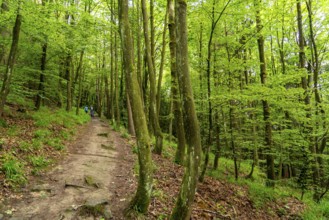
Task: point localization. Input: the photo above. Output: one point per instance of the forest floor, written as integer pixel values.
(95, 180)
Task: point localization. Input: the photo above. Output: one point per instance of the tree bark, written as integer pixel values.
(154, 120)
(41, 87)
(176, 102)
(266, 107)
(141, 200)
(183, 206)
(163, 53)
(11, 60)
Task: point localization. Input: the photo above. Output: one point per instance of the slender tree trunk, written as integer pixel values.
(11, 60)
(318, 164)
(163, 53)
(116, 84)
(41, 87)
(218, 144)
(152, 31)
(214, 22)
(183, 206)
(79, 80)
(141, 200)
(139, 51)
(131, 126)
(68, 78)
(266, 107)
(154, 120)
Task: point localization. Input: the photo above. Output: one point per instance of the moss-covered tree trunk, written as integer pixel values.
(153, 113)
(3, 31)
(141, 200)
(183, 207)
(162, 62)
(11, 60)
(176, 103)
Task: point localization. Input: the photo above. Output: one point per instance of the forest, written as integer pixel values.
(238, 88)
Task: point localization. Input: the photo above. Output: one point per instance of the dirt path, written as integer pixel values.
(95, 177)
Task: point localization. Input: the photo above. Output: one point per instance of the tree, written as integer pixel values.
(11, 60)
(183, 207)
(154, 120)
(142, 197)
(266, 107)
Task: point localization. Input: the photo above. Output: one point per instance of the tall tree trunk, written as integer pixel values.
(116, 83)
(141, 200)
(11, 60)
(3, 31)
(68, 78)
(154, 120)
(266, 107)
(183, 207)
(319, 144)
(305, 85)
(176, 102)
(163, 53)
(214, 22)
(79, 80)
(152, 31)
(41, 87)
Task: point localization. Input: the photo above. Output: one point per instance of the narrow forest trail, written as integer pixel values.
(97, 172)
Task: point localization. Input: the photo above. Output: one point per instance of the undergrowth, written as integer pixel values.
(34, 153)
(260, 195)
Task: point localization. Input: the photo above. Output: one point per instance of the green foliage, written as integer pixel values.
(37, 144)
(24, 146)
(134, 149)
(65, 134)
(115, 126)
(43, 117)
(42, 133)
(316, 210)
(125, 134)
(3, 123)
(56, 143)
(13, 169)
(38, 163)
(261, 195)
(13, 131)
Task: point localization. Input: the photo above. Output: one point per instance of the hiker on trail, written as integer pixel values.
(86, 109)
(91, 111)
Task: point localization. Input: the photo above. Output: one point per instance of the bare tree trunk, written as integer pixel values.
(116, 84)
(266, 107)
(41, 87)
